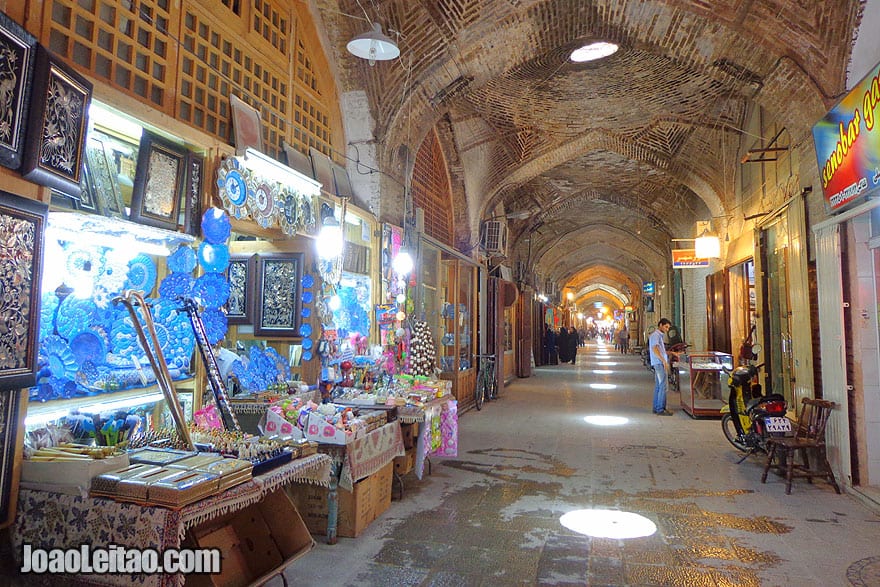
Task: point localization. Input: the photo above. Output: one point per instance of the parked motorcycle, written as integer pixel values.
(750, 418)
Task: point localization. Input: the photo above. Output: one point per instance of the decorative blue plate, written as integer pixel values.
(307, 343)
(216, 324)
(306, 312)
(80, 261)
(216, 226)
(88, 346)
(61, 361)
(212, 289)
(183, 260)
(308, 280)
(214, 258)
(305, 329)
(307, 356)
(307, 297)
(141, 274)
(74, 315)
(175, 333)
(176, 285)
(48, 305)
(236, 188)
(282, 365)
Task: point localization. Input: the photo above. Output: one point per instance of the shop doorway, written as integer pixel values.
(776, 310)
(742, 296)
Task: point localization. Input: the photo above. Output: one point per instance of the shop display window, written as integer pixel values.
(703, 382)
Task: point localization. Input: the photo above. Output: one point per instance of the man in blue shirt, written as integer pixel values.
(660, 364)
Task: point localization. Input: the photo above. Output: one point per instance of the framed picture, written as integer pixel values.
(297, 160)
(192, 214)
(10, 454)
(17, 50)
(278, 303)
(22, 228)
(102, 180)
(86, 201)
(158, 182)
(240, 307)
(322, 168)
(57, 125)
(247, 127)
(341, 181)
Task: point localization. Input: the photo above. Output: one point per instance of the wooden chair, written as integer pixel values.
(809, 437)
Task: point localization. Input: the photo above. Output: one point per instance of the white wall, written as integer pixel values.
(866, 52)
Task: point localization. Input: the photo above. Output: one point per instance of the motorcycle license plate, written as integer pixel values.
(778, 424)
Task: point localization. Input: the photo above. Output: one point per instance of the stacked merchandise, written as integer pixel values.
(422, 355)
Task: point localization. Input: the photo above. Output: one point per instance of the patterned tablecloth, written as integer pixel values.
(54, 520)
(362, 457)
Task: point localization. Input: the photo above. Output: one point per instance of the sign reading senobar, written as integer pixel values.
(847, 143)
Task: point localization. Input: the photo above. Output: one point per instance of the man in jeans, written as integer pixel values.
(660, 364)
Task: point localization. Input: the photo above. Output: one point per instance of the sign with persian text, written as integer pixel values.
(648, 288)
(687, 259)
(847, 143)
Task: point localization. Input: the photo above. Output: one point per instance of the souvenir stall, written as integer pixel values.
(129, 434)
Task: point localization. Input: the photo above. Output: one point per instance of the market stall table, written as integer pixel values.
(54, 520)
(436, 433)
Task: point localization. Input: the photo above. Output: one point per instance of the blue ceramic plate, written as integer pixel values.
(212, 289)
(216, 226)
(74, 315)
(307, 343)
(306, 312)
(308, 280)
(183, 260)
(141, 274)
(305, 329)
(61, 361)
(214, 258)
(307, 356)
(88, 346)
(216, 324)
(307, 297)
(176, 285)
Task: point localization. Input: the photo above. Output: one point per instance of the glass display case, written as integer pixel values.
(704, 382)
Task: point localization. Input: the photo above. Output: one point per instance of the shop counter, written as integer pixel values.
(703, 383)
(54, 520)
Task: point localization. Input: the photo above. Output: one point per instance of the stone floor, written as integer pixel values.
(492, 516)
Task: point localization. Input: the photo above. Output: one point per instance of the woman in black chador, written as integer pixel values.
(564, 347)
(572, 344)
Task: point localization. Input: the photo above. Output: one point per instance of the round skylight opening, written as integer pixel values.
(608, 524)
(593, 51)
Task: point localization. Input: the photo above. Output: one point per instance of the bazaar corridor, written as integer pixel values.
(491, 517)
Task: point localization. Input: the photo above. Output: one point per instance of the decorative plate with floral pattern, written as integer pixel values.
(176, 285)
(216, 324)
(141, 274)
(214, 258)
(183, 260)
(212, 289)
(233, 184)
(262, 204)
(216, 226)
(56, 352)
(74, 315)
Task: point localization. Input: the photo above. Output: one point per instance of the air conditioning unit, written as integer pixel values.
(493, 238)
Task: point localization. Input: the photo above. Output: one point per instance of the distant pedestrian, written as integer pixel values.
(660, 363)
(623, 340)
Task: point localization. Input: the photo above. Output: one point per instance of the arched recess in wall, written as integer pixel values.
(431, 190)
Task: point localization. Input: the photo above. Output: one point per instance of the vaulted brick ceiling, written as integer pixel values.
(608, 160)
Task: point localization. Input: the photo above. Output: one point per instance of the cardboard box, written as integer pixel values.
(382, 482)
(257, 542)
(355, 509)
(408, 431)
(319, 430)
(70, 477)
(406, 463)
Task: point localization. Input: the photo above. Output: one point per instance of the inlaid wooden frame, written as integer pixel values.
(240, 273)
(247, 127)
(102, 180)
(159, 182)
(22, 229)
(17, 54)
(57, 124)
(322, 167)
(192, 194)
(278, 300)
(11, 440)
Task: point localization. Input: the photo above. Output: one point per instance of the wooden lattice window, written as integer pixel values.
(431, 191)
(185, 58)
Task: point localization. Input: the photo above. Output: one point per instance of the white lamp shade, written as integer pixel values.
(707, 246)
(373, 45)
(329, 242)
(402, 263)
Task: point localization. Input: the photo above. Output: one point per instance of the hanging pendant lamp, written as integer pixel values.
(374, 46)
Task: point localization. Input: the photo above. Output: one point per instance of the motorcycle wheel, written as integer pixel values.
(730, 433)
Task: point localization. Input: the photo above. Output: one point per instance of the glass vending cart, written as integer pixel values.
(704, 382)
